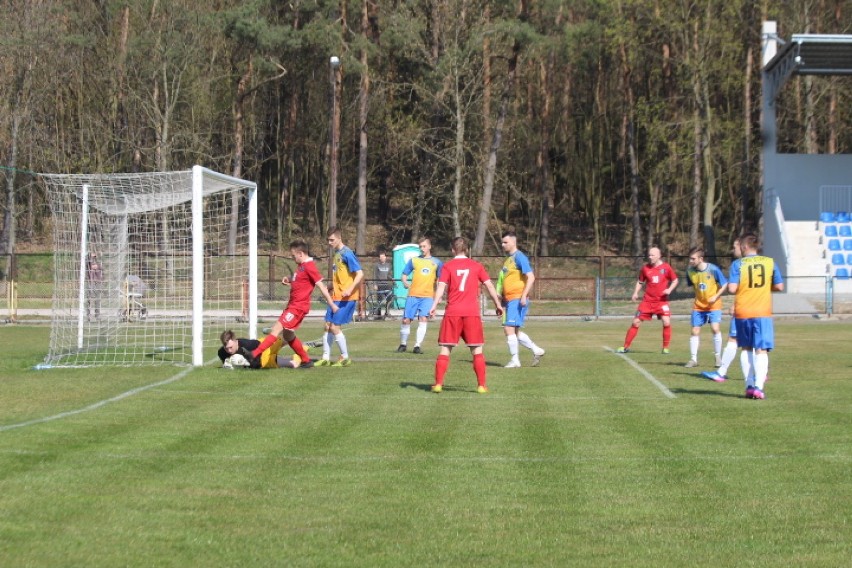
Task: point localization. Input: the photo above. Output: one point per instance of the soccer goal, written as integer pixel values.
(150, 268)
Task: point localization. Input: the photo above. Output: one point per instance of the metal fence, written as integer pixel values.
(587, 286)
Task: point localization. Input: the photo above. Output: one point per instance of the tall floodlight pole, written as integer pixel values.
(334, 144)
(335, 140)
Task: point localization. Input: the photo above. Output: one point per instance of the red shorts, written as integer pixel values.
(468, 328)
(291, 319)
(647, 310)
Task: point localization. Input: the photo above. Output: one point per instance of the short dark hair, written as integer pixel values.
(749, 241)
(334, 231)
(509, 234)
(300, 245)
(696, 250)
(227, 336)
(460, 245)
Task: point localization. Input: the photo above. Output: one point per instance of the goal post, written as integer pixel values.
(150, 268)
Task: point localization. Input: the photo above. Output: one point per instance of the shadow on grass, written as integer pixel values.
(428, 387)
(466, 359)
(705, 392)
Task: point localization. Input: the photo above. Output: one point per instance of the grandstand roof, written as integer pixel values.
(809, 54)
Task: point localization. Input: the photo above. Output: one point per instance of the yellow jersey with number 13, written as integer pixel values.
(754, 276)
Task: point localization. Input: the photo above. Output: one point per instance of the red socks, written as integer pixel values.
(667, 336)
(264, 345)
(479, 369)
(442, 363)
(299, 350)
(631, 335)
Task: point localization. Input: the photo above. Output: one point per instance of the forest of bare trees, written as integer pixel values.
(588, 125)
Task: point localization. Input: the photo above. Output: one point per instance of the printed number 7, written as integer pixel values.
(463, 274)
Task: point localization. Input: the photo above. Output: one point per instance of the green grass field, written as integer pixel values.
(584, 461)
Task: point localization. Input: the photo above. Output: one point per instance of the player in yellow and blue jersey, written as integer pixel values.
(753, 278)
(730, 351)
(514, 285)
(346, 278)
(423, 271)
(709, 284)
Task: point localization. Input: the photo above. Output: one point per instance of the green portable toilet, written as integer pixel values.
(401, 255)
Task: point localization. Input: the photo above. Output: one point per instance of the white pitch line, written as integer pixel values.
(335, 459)
(98, 404)
(644, 373)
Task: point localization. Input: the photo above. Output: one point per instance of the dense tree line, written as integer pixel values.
(584, 124)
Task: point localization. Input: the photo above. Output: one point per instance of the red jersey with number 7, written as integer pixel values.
(656, 279)
(463, 277)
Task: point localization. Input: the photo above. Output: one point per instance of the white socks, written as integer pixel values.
(728, 357)
(694, 342)
(761, 368)
(404, 332)
(327, 338)
(525, 340)
(512, 340)
(330, 338)
(421, 332)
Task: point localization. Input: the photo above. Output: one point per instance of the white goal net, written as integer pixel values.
(150, 268)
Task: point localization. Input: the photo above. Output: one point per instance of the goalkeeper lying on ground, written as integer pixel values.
(236, 352)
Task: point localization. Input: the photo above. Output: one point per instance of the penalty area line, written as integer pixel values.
(96, 405)
(644, 373)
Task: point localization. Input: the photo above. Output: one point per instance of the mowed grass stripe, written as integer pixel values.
(558, 465)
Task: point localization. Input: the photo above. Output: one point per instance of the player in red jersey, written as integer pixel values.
(302, 284)
(461, 278)
(659, 279)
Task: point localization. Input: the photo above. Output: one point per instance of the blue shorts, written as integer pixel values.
(700, 318)
(344, 313)
(755, 333)
(514, 314)
(417, 307)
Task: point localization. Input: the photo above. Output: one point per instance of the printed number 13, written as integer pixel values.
(756, 276)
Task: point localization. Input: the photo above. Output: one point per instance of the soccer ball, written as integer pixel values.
(235, 360)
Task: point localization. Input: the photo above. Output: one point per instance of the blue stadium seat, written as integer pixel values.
(849, 259)
(842, 217)
(837, 259)
(826, 217)
(834, 244)
(847, 244)
(846, 230)
(831, 230)
(841, 273)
